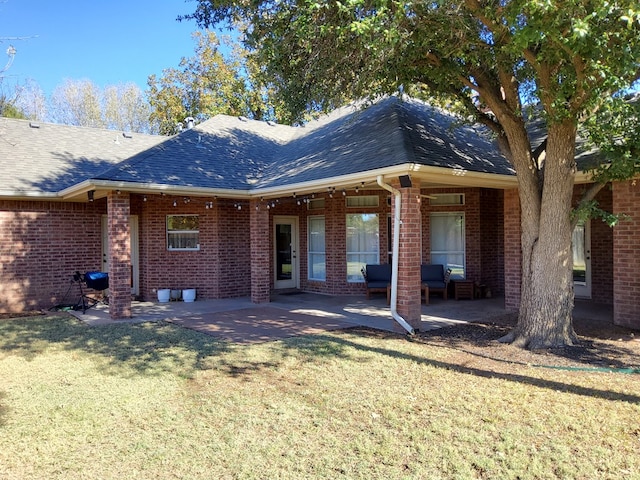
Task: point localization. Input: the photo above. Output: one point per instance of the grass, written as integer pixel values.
(157, 401)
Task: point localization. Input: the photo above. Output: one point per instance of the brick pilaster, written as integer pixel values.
(512, 250)
(118, 211)
(260, 253)
(626, 261)
(409, 258)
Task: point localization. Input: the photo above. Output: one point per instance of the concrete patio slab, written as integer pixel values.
(240, 321)
(258, 324)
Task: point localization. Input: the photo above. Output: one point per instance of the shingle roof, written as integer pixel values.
(44, 158)
(227, 152)
(238, 154)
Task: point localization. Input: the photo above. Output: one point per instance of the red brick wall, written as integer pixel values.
(119, 234)
(492, 240)
(41, 246)
(626, 256)
(66, 237)
(410, 241)
(222, 266)
(260, 253)
(512, 250)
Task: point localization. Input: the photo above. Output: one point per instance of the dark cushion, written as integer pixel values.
(429, 273)
(434, 284)
(378, 273)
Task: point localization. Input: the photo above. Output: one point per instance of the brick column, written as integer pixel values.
(626, 260)
(118, 210)
(512, 250)
(409, 258)
(260, 253)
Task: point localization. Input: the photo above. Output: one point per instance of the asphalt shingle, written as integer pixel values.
(240, 154)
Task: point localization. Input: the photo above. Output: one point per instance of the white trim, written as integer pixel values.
(294, 282)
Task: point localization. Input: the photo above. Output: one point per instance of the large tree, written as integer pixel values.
(218, 79)
(83, 103)
(570, 58)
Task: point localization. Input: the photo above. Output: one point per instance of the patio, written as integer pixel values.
(240, 321)
(295, 313)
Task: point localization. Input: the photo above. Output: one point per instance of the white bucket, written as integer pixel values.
(163, 295)
(189, 295)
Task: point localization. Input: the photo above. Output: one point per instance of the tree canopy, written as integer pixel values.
(209, 83)
(571, 60)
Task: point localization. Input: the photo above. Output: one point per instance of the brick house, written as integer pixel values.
(236, 207)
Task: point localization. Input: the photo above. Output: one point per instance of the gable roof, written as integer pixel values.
(237, 156)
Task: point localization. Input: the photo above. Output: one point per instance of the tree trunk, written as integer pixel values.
(546, 305)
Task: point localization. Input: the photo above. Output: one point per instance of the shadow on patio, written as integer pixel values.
(240, 321)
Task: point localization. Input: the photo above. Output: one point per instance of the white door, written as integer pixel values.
(135, 262)
(581, 243)
(286, 245)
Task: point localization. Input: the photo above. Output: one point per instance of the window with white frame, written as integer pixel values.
(363, 243)
(447, 242)
(183, 232)
(317, 253)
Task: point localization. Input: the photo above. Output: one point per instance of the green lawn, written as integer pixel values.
(154, 401)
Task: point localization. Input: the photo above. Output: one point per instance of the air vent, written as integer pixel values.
(34, 125)
(127, 134)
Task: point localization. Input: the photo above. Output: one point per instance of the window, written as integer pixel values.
(447, 199)
(183, 232)
(447, 242)
(317, 256)
(363, 243)
(363, 201)
(315, 204)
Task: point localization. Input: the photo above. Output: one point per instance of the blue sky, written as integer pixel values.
(107, 42)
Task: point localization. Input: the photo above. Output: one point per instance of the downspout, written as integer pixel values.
(395, 252)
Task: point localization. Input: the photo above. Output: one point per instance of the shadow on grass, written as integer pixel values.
(314, 346)
(159, 348)
(145, 348)
(594, 351)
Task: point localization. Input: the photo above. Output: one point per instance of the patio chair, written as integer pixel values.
(436, 278)
(377, 279)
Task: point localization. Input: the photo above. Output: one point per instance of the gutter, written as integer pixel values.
(396, 249)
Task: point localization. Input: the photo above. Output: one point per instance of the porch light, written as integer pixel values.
(90, 195)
